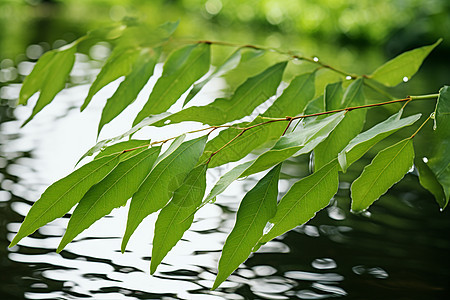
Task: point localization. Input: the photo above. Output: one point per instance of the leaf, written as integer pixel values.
(350, 126)
(112, 192)
(300, 91)
(294, 98)
(303, 200)
(129, 89)
(252, 93)
(257, 208)
(226, 180)
(229, 64)
(439, 163)
(317, 105)
(429, 181)
(295, 143)
(367, 139)
(103, 143)
(249, 141)
(388, 167)
(177, 216)
(404, 65)
(167, 176)
(183, 67)
(62, 195)
(333, 96)
(120, 147)
(119, 64)
(173, 146)
(49, 76)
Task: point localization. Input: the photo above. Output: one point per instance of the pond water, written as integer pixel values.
(398, 250)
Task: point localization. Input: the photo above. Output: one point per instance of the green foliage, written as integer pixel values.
(387, 168)
(182, 69)
(303, 200)
(295, 123)
(112, 192)
(257, 208)
(440, 161)
(61, 196)
(167, 176)
(367, 139)
(48, 77)
(177, 216)
(402, 67)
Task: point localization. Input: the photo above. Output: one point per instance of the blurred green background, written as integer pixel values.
(356, 35)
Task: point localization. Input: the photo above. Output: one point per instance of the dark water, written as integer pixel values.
(399, 250)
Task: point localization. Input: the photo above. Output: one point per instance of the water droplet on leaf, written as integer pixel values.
(315, 58)
(405, 79)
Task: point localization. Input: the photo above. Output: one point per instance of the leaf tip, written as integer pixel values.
(216, 284)
(153, 267)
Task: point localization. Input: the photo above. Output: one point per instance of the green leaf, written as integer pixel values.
(249, 141)
(300, 141)
(119, 64)
(62, 195)
(112, 192)
(303, 200)
(229, 64)
(333, 96)
(350, 126)
(388, 167)
(367, 139)
(177, 216)
(439, 163)
(294, 98)
(120, 147)
(129, 89)
(49, 76)
(103, 143)
(317, 105)
(300, 91)
(404, 65)
(253, 92)
(167, 176)
(183, 67)
(226, 180)
(257, 208)
(174, 146)
(429, 181)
